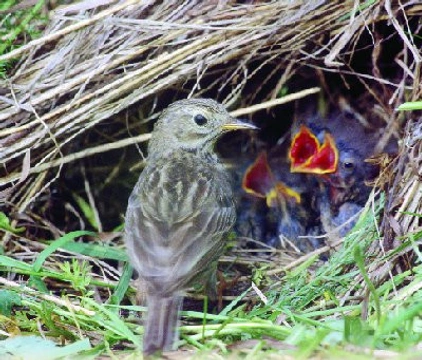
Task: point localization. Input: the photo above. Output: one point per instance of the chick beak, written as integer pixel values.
(324, 161)
(303, 146)
(236, 124)
(258, 179)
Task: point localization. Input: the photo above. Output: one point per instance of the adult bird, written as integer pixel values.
(179, 212)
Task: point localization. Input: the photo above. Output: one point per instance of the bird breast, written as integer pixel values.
(176, 189)
(177, 216)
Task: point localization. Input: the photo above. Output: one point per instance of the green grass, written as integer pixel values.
(18, 27)
(311, 311)
(410, 106)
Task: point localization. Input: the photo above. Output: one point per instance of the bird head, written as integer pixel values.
(348, 181)
(340, 160)
(193, 125)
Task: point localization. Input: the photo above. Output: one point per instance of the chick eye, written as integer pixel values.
(348, 165)
(200, 119)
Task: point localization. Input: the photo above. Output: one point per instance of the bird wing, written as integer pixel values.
(177, 217)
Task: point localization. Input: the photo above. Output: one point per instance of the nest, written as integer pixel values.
(92, 84)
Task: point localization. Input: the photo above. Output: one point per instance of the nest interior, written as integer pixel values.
(77, 110)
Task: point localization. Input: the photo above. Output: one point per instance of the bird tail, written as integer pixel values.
(161, 332)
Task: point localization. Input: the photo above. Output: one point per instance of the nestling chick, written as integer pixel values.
(343, 191)
(287, 211)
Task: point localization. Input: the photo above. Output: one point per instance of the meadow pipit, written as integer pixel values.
(179, 212)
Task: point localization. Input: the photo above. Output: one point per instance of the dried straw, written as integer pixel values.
(95, 61)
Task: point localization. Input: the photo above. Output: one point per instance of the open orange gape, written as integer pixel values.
(308, 155)
(259, 181)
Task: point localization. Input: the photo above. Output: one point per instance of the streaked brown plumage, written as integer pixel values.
(179, 212)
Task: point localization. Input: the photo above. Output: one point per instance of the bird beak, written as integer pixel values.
(304, 145)
(259, 181)
(324, 161)
(308, 156)
(236, 124)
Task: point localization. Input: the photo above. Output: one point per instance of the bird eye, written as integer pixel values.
(348, 165)
(200, 119)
